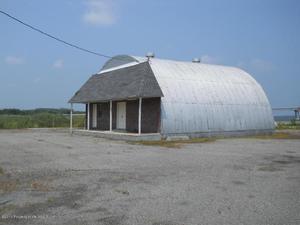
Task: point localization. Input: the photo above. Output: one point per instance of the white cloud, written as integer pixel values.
(100, 12)
(13, 60)
(58, 64)
(209, 59)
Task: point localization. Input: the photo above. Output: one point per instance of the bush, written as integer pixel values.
(39, 120)
(293, 124)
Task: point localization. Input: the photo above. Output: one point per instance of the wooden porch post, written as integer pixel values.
(140, 115)
(110, 115)
(88, 116)
(71, 119)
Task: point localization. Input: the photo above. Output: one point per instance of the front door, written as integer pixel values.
(121, 115)
(94, 118)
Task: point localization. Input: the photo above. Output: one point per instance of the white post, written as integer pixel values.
(140, 115)
(88, 117)
(110, 115)
(71, 119)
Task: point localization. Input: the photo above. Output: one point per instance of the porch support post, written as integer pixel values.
(88, 117)
(140, 115)
(110, 115)
(71, 119)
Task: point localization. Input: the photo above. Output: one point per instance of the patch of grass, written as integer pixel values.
(278, 135)
(174, 144)
(39, 120)
(50, 200)
(7, 208)
(292, 125)
(179, 143)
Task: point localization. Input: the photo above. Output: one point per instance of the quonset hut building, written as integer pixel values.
(173, 98)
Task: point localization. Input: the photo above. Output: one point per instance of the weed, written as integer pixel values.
(124, 192)
(7, 208)
(8, 186)
(50, 200)
(174, 144)
(292, 125)
(179, 143)
(278, 135)
(39, 186)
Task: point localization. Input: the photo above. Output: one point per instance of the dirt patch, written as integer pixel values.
(284, 159)
(112, 220)
(166, 223)
(69, 198)
(40, 186)
(122, 191)
(278, 162)
(116, 178)
(8, 185)
(97, 210)
(270, 168)
(238, 182)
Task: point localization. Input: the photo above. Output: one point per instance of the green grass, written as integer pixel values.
(277, 135)
(179, 143)
(6, 208)
(293, 125)
(174, 144)
(39, 120)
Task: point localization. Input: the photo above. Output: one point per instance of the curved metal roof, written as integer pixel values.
(204, 98)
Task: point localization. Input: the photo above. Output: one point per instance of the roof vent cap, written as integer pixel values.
(196, 60)
(150, 55)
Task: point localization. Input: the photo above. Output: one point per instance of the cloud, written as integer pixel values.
(58, 64)
(100, 12)
(209, 59)
(13, 60)
(258, 65)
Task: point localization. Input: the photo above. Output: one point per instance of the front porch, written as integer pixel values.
(115, 135)
(131, 119)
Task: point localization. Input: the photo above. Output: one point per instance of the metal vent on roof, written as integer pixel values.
(150, 55)
(196, 60)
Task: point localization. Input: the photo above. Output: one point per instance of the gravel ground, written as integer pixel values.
(50, 177)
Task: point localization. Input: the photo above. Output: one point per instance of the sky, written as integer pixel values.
(259, 36)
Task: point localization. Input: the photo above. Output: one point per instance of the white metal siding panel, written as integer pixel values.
(205, 98)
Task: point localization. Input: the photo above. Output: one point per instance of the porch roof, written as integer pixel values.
(125, 83)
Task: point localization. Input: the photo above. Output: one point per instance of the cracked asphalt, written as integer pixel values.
(50, 177)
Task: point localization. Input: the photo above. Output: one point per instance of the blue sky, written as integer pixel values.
(262, 37)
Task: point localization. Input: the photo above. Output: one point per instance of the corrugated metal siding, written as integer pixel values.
(208, 98)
